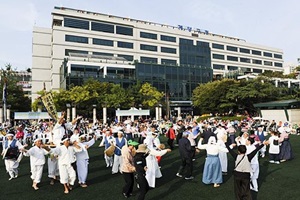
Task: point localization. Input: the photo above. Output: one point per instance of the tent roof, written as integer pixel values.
(282, 103)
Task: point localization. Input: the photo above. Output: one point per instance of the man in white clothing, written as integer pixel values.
(37, 160)
(66, 155)
(82, 159)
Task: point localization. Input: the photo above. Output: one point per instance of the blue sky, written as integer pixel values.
(273, 23)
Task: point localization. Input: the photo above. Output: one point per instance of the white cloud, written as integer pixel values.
(18, 16)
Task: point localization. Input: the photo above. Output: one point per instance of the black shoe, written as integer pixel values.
(189, 178)
(224, 173)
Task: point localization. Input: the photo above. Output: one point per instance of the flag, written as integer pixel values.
(4, 93)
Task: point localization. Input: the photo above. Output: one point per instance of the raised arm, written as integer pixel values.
(233, 153)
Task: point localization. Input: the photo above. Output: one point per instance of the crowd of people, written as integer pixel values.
(134, 149)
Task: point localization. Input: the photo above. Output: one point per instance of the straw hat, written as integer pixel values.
(142, 149)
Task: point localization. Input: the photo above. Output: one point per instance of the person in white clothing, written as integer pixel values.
(11, 148)
(153, 170)
(66, 155)
(82, 159)
(274, 148)
(37, 160)
(221, 139)
(118, 142)
(250, 145)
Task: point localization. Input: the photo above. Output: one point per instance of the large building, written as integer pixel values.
(175, 59)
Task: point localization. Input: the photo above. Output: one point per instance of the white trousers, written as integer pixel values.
(254, 176)
(11, 167)
(223, 161)
(82, 170)
(53, 171)
(108, 160)
(117, 164)
(67, 174)
(36, 173)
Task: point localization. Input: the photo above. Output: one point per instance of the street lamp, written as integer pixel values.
(73, 110)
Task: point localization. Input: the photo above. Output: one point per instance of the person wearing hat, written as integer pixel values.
(108, 141)
(66, 154)
(11, 149)
(212, 172)
(82, 159)
(186, 155)
(128, 167)
(119, 142)
(37, 160)
(141, 168)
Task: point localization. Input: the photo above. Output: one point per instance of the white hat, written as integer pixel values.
(10, 134)
(37, 139)
(65, 139)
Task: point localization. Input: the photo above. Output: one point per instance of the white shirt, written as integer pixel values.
(66, 156)
(83, 155)
(37, 155)
(212, 149)
(251, 148)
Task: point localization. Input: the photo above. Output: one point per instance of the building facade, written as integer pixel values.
(82, 44)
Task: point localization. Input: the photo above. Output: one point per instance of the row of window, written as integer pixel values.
(111, 28)
(246, 60)
(128, 45)
(244, 50)
(232, 68)
(127, 57)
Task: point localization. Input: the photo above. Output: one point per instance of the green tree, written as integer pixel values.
(150, 95)
(15, 95)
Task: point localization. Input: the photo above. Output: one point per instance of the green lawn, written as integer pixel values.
(275, 181)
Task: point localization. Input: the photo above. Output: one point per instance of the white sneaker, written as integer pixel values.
(271, 161)
(10, 178)
(179, 175)
(277, 162)
(263, 155)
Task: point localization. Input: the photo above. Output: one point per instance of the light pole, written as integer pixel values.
(94, 113)
(68, 111)
(73, 111)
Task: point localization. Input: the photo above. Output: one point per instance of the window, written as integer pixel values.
(232, 58)
(254, 52)
(231, 48)
(168, 62)
(148, 47)
(168, 38)
(268, 63)
(220, 67)
(168, 50)
(78, 39)
(127, 57)
(257, 70)
(277, 56)
(107, 28)
(76, 23)
(148, 35)
(148, 60)
(243, 50)
(217, 46)
(127, 45)
(231, 68)
(186, 41)
(103, 54)
(218, 56)
(67, 51)
(245, 60)
(267, 54)
(278, 64)
(124, 30)
(257, 62)
(103, 42)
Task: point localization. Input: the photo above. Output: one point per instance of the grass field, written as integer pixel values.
(276, 182)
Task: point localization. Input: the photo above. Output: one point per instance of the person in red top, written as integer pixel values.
(20, 134)
(171, 136)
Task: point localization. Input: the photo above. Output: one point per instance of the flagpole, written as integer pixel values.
(4, 100)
